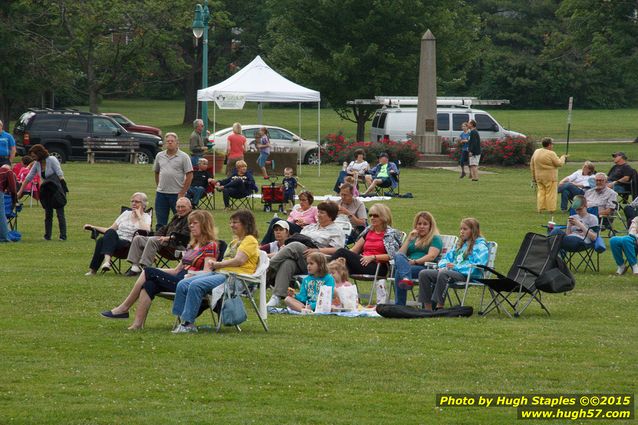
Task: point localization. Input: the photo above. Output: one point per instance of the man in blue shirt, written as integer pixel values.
(7, 147)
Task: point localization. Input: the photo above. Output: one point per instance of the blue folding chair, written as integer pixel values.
(11, 213)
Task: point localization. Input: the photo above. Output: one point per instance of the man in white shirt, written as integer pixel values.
(601, 196)
(575, 184)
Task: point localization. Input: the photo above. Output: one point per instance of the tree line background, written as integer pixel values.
(537, 53)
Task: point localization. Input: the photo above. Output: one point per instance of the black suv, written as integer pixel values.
(63, 132)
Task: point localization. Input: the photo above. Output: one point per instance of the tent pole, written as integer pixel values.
(299, 147)
(319, 136)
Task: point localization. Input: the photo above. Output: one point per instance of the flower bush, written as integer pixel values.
(506, 151)
(337, 148)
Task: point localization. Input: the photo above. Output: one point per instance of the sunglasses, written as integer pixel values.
(373, 215)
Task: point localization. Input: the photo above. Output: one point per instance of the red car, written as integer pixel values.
(131, 126)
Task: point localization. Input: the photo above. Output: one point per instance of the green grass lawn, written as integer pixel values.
(616, 124)
(62, 363)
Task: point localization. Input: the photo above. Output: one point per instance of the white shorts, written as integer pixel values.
(475, 159)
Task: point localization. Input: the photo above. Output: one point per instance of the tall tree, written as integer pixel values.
(348, 50)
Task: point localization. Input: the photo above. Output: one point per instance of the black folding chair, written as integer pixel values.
(513, 293)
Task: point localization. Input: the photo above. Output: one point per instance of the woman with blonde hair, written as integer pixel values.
(576, 184)
(239, 185)
(455, 266)
(235, 148)
(422, 245)
(152, 281)
(378, 243)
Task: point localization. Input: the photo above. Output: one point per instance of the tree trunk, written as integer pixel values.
(90, 77)
(362, 115)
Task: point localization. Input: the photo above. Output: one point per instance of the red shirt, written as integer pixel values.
(236, 144)
(374, 244)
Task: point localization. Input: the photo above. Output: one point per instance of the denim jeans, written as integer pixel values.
(163, 203)
(623, 244)
(567, 192)
(195, 193)
(403, 269)
(191, 291)
(4, 225)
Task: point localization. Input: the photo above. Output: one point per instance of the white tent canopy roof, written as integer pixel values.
(258, 82)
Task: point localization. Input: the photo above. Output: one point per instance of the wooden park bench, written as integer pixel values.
(95, 145)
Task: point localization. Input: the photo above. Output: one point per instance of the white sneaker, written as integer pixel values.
(89, 273)
(621, 270)
(136, 269)
(181, 329)
(274, 301)
(634, 269)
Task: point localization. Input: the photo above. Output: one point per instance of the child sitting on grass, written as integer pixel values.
(306, 300)
(350, 180)
(339, 273)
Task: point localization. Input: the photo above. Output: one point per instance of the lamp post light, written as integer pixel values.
(200, 28)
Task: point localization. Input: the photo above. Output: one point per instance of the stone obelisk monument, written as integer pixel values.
(426, 136)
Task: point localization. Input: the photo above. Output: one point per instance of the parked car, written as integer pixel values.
(400, 123)
(131, 126)
(63, 132)
(281, 139)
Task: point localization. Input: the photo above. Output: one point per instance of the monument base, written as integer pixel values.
(428, 143)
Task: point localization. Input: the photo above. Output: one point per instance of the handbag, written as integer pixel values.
(233, 312)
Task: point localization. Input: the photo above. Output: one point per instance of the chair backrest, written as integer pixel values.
(492, 248)
(537, 253)
(449, 241)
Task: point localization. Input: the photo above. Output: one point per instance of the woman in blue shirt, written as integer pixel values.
(455, 266)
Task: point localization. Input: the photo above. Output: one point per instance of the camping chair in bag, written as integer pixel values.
(537, 256)
(122, 253)
(473, 281)
(248, 283)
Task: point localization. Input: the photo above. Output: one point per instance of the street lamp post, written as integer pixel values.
(200, 28)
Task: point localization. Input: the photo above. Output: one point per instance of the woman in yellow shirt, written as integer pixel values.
(242, 256)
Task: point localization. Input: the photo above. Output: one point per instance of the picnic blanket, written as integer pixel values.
(335, 198)
(366, 312)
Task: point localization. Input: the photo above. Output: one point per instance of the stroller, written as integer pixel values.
(272, 193)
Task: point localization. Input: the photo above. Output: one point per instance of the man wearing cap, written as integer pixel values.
(281, 230)
(620, 174)
(384, 174)
(7, 147)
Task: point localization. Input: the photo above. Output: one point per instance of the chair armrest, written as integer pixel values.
(489, 269)
(178, 239)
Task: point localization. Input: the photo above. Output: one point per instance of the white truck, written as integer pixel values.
(399, 123)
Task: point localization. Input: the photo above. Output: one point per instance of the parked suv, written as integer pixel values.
(63, 132)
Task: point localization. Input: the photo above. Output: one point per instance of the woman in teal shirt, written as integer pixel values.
(423, 245)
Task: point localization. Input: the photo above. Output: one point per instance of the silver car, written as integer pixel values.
(281, 140)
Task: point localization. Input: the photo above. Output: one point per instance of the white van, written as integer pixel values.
(399, 124)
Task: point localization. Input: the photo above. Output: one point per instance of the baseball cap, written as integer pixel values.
(283, 224)
(382, 154)
(615, 154)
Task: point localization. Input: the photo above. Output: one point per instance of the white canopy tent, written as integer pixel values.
(258, 82)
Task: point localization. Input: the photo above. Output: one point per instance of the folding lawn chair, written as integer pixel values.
(473, 281)
(247, 285)
(584, 256)
(168, 253)
(11, 212)
(122, 253)
(537, 255)
(247, 202)
(208, 199)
